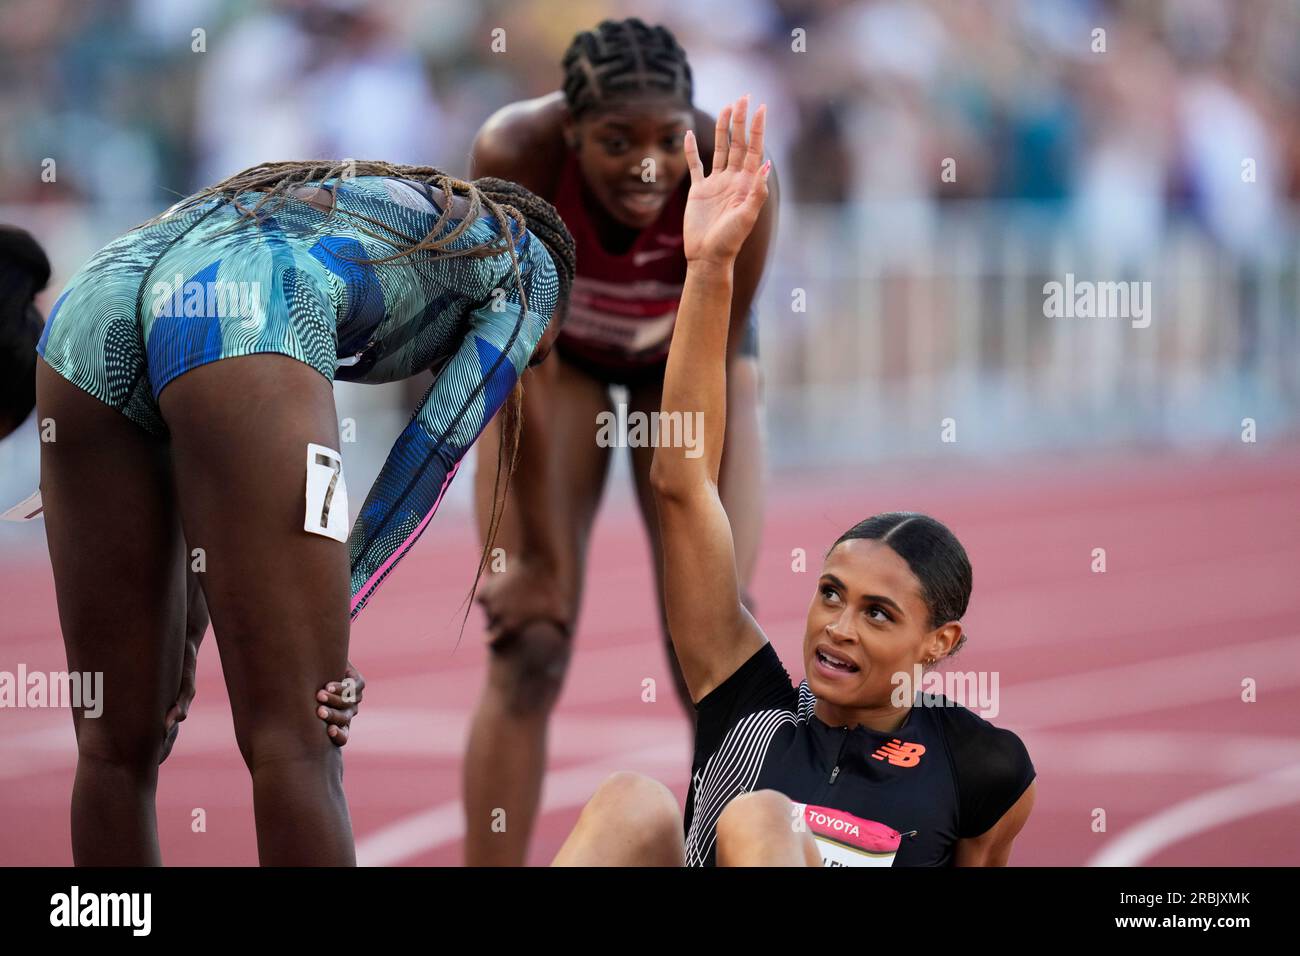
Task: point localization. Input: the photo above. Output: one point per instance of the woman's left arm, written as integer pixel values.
(993, 847)
(465, 395)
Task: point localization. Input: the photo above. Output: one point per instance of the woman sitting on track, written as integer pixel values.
(188, 369)
(832, 771)
(24, 272)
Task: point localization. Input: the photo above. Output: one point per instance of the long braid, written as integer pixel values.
(622, 59)
(276, 182)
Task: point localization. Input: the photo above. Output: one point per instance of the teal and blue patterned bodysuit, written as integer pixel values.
(199, 286)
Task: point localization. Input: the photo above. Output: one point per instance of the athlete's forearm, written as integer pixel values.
(403, 499)
(695, 380)
(467, 392)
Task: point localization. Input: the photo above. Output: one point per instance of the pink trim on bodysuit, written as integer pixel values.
(410, 540)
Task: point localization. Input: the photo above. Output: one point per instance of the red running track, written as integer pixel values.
(1125, 686)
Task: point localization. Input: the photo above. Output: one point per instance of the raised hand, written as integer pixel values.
(722, 207)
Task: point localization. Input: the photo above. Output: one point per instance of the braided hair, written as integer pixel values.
(622, 59)
(277, 181)
(24, 271)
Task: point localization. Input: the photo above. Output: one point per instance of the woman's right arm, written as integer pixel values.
(712, 632)
(466, 394)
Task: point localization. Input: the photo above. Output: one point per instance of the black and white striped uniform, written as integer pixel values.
(945, 774)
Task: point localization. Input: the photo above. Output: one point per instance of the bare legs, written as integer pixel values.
(278, 595)
(119, 573)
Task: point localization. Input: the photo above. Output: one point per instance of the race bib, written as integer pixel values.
(846, 840)
(327, 494)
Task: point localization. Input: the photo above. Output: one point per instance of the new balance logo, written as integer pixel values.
(900, 754)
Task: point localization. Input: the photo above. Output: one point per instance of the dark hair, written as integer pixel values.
(543, 221)
(621, 59)
(933, 553)
(24, 271)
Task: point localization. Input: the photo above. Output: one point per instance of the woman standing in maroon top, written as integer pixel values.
(607, 151)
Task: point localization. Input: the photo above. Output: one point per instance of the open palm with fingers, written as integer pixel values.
(722, 207)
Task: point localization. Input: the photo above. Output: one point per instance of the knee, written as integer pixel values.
(275, 743)
(640, 815)
(642, 804)
(129, 750)
(755, 819)
(529, 667)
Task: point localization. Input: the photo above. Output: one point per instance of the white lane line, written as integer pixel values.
(1211, 677)
(445, 823)
(1143, 753)
(440, 683)
(1205, 811)
(419, 734)
(1013, 601)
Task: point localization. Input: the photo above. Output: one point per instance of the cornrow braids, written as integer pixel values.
(621, 59)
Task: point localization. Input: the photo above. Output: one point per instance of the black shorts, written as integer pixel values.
(632, 376)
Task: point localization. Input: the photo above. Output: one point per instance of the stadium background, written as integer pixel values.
(897, 298)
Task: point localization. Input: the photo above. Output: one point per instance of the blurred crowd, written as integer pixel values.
(1120, 112)
(939, 161)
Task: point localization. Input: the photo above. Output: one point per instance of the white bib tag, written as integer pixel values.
(846, 840)
(327, 494)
